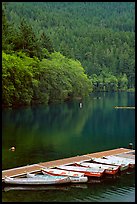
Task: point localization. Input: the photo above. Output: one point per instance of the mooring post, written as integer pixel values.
(130, 146)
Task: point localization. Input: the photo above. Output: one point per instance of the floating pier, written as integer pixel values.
(124, 107)
(20, 171)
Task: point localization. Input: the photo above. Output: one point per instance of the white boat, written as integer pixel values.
(122, 166)
(36, 181)
(80, 179)
(94, 172)
(60, 172)
(131, 162)
(109, 169)
(126, 155)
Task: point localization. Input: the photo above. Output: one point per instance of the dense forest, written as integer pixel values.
(60, 50)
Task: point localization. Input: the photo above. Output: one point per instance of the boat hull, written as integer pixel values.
(82, 179)
(35, 181)
(122, 166)
(131, 162)
(108, 169)
(87, 171)
(61, 172)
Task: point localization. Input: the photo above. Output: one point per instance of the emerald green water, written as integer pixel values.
(45, 133)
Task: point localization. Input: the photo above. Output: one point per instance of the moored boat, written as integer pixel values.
(126, 155)
(93, 172)
(123, 160)
(109, 169)
(36, 181)
(122, 166)
(73, 179)
(61, 172)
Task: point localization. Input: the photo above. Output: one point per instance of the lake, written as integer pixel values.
(45, 133)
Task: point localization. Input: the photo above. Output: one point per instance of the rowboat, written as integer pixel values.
(60, 172)
(37, 181)
(122, 166)
(94, 172)
(126, 155)
(109, 169)
(80, 179)
(122, 159)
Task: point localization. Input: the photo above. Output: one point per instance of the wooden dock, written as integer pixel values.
(124, 107)
(20, 171)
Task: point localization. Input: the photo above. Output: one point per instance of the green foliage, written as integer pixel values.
(59, 51)
(87, 31)
(123, 82)
(27, 81)
(17, 75)
(46, 43)
(106, 81)
(63, 77)
(27, 39)
(23, 38)
(7, 30)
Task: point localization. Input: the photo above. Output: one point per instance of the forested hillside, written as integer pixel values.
(101, 35)
(33, 72)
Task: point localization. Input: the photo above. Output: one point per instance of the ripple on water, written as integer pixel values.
(115, 195)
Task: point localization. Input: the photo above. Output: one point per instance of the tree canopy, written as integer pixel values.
(101, 35)
(28, 81)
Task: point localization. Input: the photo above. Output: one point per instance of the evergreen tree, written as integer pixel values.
(46, 42)
(7, 32)
(28, 40)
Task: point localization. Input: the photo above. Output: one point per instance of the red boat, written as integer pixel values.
(60, 172)
(93, 172)
(109, 169)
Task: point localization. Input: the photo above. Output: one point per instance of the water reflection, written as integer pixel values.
(46, 133)
(121, 189)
